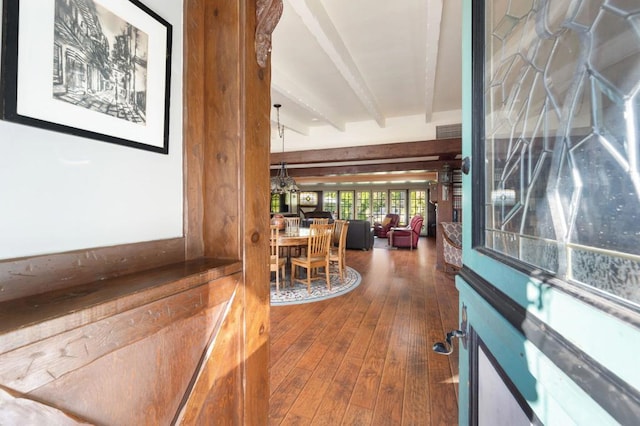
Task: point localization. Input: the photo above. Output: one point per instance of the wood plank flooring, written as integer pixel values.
(365, 358)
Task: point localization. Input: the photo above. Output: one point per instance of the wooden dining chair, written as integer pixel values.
(319, 221)
(292, 225)
(317, 255)
(338, 250)
(276, 263)
(335, 236)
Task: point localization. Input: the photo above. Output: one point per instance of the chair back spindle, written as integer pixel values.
(292, 224)
(276, 263)
(337, 254)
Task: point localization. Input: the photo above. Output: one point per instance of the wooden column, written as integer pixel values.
(227, 136)
(256, 107)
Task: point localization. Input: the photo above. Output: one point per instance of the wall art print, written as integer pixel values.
(93, 68)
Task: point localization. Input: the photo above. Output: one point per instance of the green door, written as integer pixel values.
(550, 287)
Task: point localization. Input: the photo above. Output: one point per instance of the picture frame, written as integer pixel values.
(111, 62)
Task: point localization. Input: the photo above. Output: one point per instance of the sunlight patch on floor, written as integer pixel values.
(454, 379)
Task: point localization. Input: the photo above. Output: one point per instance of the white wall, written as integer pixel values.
(60, 192)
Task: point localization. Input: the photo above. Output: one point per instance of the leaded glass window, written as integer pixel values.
(330, 202)
(346, 205)
(398, 204)
(363, 205)
(562, 122)
(379, 205)
(275, 203)
(418, 204)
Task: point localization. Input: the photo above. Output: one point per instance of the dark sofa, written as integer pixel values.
(359, 235)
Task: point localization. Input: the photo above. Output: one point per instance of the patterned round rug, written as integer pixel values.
(299, 294)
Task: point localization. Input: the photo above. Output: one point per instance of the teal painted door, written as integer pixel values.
(550, 288)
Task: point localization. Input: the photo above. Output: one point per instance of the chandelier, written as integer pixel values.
(282, 182)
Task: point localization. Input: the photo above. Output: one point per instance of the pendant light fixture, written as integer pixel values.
(282, 182)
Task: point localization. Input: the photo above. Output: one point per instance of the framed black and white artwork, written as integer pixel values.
(93, 68)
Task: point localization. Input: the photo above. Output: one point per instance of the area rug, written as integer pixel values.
(299, 294)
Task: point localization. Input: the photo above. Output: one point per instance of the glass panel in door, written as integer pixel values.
(550, 287)
(562, 118)
(330, 202)
(346, 205)
(418, 205)
(398, 204)
(379, 205)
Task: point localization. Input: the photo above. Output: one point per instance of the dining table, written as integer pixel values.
(294, 237)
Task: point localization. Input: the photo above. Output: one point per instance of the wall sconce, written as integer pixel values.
(444, 177)
(433, 192)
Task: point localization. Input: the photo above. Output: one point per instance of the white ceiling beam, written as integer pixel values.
(434, 19)
(286, 88)
(317, 21)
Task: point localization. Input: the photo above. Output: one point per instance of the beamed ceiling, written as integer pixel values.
(363, 85)
(371, 163)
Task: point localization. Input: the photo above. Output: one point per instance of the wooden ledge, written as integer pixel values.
(21, 320)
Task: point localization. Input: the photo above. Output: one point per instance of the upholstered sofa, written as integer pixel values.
(407, 236)
(452, 244)
(380, 229)
(359, 235)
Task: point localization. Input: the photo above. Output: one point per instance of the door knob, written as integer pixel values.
(446, 347)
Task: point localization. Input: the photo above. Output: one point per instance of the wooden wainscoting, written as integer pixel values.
(138, 349)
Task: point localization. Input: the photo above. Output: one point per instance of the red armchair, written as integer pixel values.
(408, 236)
(380, 230)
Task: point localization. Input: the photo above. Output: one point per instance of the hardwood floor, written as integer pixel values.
(365, 358)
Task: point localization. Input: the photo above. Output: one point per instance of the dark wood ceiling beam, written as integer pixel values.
(436, 147)
(367, 178)
(369, 168)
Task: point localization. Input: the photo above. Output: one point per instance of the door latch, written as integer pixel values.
(446, 347)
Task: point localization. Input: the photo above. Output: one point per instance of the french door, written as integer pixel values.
(550, 287)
